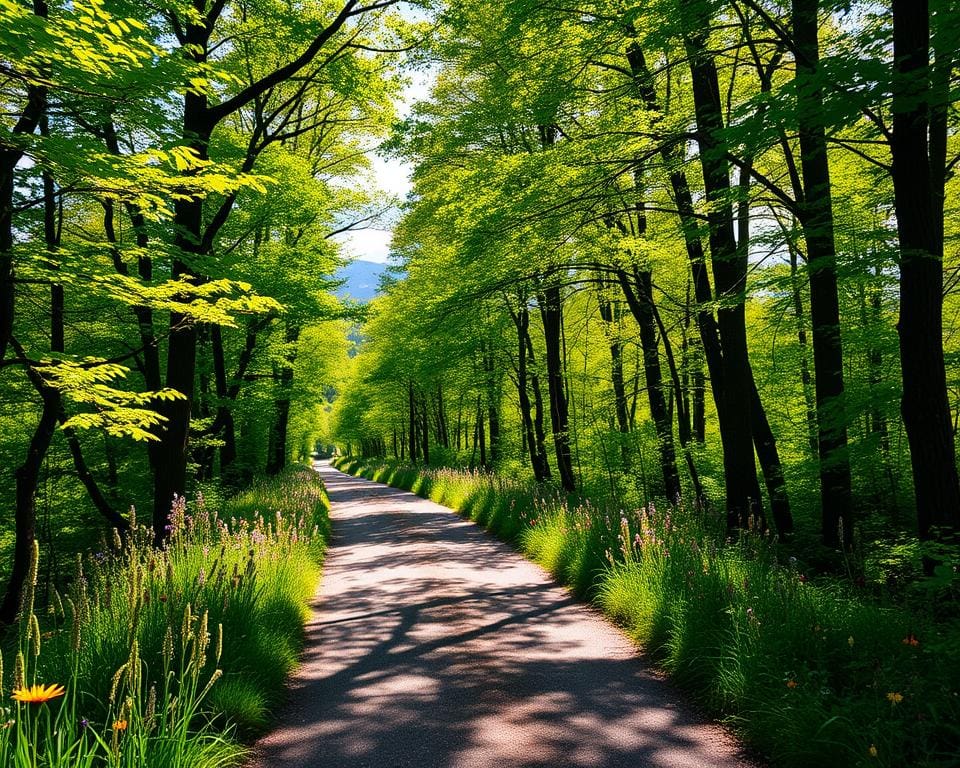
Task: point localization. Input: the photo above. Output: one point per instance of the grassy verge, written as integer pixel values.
(170, 658)
(808, 673)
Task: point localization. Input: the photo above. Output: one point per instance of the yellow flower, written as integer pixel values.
(119, 725)
(38, 694)
(850, 641)
(894, 698)
(873, 750)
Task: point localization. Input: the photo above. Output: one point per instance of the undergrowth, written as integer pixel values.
(808, 671)
(170, 657)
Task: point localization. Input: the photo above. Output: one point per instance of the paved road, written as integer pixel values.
(433, 645)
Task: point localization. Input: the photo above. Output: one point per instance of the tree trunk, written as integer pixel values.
(551, 314)
(277, 462)
(443, 432)
(639, 299)
(27, 477)
(539, 428)
(493, 405)
(170, 470)
(924, 405)
(610, 314)
(683, 416)
(541, 469)
(816, 218)
(424, 432)
(806, 380)
(743, 500)
(480, 433)
(412, 412)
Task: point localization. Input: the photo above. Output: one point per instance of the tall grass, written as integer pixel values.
(169, 657)
(809, 672)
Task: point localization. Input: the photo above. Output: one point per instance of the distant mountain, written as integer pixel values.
(362, 279)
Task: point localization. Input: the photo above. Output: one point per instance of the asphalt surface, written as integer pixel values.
(432, 645)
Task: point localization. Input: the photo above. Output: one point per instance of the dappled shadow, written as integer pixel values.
(436, 646)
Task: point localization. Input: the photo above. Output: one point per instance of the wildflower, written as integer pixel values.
(911, 640)
(84, 723)
(119, 725)
(873, 750)
(38, 694)
(791, 684)
(894, 698)
(850, 641)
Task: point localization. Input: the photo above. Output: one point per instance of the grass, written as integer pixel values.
(170, 658)
(809, 672)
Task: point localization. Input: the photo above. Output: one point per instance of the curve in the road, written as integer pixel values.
(432, 645)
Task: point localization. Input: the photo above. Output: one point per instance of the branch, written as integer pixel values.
(248, 94)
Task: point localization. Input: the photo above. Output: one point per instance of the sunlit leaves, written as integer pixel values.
(89, 384)
(80, 46)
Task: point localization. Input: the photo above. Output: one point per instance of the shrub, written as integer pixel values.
(168, 655)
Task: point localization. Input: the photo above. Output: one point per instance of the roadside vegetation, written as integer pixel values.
(809, 670)
(173, 656)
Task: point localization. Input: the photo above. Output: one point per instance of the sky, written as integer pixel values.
(391, 176)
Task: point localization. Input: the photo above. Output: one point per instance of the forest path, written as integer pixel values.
(433, 645)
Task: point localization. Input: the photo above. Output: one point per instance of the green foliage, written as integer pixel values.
(167, 656)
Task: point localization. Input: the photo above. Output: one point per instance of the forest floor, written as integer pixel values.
(436, 646)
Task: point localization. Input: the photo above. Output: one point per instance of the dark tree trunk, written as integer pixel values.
(170, 469)
(493, 404)
(683, 416)
(539, 425)
(27, 123)
(229, 391)
(806, 380)
(766, 447)
(925, 407)
(538, 458)
(729, 420)
(481, 437)
(100, 502)
(610, 314)
(224, 418)
(699, 401)
(412, 412)
(443, 432)
(874, 320)
(27, 477)
(277, 462)
(203, 455)
(816, 217)
(424, 434)
(743, 502)
(639, 298)
(493, 424)
(51, 236)
(551, 314)
(685, 367)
